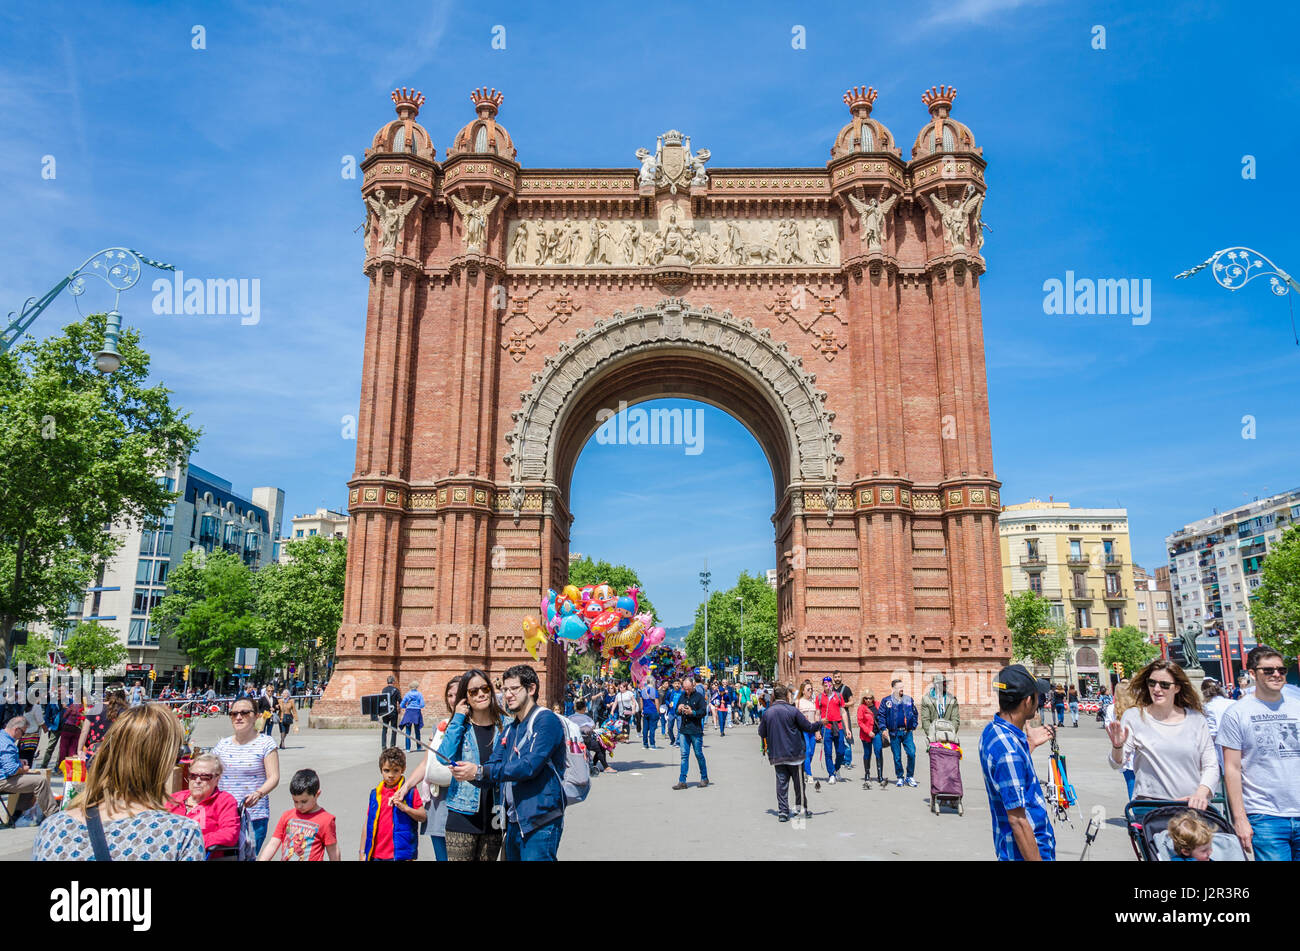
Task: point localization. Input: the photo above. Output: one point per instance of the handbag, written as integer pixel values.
(98, 841)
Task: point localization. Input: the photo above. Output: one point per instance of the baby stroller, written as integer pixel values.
(1147, 820)
(945, 767)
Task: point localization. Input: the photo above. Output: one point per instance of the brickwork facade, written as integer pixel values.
(835, 310)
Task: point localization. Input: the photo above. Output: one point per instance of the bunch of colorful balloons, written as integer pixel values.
(596, 617)
(667, 663)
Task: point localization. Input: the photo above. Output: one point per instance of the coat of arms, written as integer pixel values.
(673, 165)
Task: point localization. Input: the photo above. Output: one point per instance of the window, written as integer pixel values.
(1031, 528)
(1107, 528)
(1142, 606)
(1112, 582)
(399, 140)
(1036, 583)
(1076, 548)
(1073, 528)
(867, 139)
(298, 533)
(1116, 617)
(1162, 605)
(1058, 612)
(135, 637)
(1080, 586)
(480, 139)
(1081, 618)
(313, 531)
(145, 600)
(949, 142)
(143, 571)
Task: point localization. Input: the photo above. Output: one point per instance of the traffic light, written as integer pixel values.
(318, 640)
(153, 674)
(1119, 669)
(187, 672)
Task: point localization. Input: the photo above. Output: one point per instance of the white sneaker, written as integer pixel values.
(831, 780)
(911, 782)
(899, 784)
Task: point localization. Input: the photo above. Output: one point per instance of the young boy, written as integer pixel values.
(393, 814)
(307, 831)
(1191, 837)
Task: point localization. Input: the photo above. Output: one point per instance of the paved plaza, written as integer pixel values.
(633, 812)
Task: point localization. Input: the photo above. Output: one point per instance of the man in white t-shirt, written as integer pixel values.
(1260, 736)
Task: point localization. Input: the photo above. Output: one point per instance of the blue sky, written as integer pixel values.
(1122, 162)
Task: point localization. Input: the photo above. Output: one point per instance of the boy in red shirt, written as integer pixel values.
(307, 831)
(393, 815)
(830, 707)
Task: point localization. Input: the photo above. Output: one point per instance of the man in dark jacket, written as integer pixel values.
(389, 720)
(898, 718)
(527, 763)
(783, 727)
(692, 708)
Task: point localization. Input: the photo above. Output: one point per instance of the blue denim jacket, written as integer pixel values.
(463, 797)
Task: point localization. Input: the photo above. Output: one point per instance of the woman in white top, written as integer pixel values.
(250, 766)
(1216, 705)
(807, 705)
(1113, 712)
(1168, 736)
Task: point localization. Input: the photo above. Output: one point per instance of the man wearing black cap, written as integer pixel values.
(1022, 830)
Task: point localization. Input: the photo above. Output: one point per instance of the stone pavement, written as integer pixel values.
(633, 812)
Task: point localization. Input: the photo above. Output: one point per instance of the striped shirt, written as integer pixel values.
(1011, 783)
(243, 770)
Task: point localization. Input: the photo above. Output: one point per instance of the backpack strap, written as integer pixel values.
(98, 841)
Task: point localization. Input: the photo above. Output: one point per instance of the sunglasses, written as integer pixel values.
(202, 777)
(1271, 671)
(236, 714)
(1162, 684)
(478, 691)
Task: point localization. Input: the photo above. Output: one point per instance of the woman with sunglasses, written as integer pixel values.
(1168, 737)
(475, 826)
(250, 766)
(432, 777)
(807, 705)
(215, 811)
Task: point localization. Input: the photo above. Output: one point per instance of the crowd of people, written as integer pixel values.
(1173, 743)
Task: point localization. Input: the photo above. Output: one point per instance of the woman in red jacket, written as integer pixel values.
(869, 731)
(216, 812)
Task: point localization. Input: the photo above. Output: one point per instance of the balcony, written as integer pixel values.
(1077, 560)
(1050, 594)
(1113, 561)
(1087, 633)
(1083, 595)
(1116, 595)
(1033, 562)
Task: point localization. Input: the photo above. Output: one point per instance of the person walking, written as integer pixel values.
(721, 708)
(412, 714)
(898, 717)
(846, 695)
(806, 703)
(830, 710)
(671, 702)
(286, 711)
(1260, 735)
(649, 713)
(432, 778)
(869, 733)
(1022, 829)
(937, 704)
(388, 722)
(475, 825)
(250, 766)
(783, 728)
(98, 718)
(692, 710)
(123, 813)
(1058, 704)
(526, 766)
(1072, 699)
(1173, 755)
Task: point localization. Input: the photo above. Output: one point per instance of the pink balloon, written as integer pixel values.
(635, 594)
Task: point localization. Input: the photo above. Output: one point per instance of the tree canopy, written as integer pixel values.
(1130, 647)
(1275, 604)
(725, 634)
(1035, 635)
(93, 646)
(210, 608)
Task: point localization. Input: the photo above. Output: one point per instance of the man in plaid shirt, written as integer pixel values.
(1022, 830)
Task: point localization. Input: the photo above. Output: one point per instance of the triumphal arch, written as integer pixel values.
(834, 310)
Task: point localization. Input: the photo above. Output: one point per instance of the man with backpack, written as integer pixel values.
(783, 728)
(528, 763)
(898, 718)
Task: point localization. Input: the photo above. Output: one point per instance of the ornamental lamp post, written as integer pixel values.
(705, 575)
(742, 635)
(1232, 268)
(119, 268)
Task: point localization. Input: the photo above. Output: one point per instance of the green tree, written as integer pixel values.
(1130, 647)
(78, 451)
(300, 601)
(1275, 605)
(1036, 636)
(35, 653)
(210, 608)
(725, 633)
(94, 647)
(585, 571)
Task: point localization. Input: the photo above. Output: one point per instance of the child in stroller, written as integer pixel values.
(1161, 831)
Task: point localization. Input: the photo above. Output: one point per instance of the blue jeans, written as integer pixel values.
(1060, 715)
(648, 724)
(1074, 713)
(670, 727)
(259, 832)
(722, 723)
(407, 730)
(876, 746)
(833, 749)
(568, 708)
(1276, 839)
(809, 751)
(1130, 778)
(899, 744)
(688, 743)
(848, 747)
(439, 847)
(540, 845)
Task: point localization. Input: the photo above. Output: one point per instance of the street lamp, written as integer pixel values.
(705, 575)
(119, 268)
(1232, 269)
(742, 634)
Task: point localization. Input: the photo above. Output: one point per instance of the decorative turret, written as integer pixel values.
(484, 134)
(404, 135)
(863, 133)
(943, 134)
